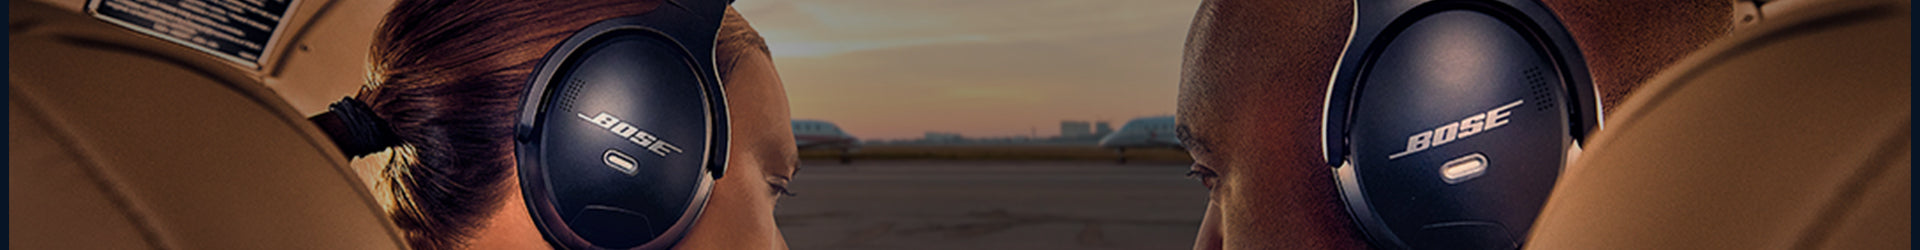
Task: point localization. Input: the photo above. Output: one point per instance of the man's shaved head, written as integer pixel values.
(1255, 77)
(1253, 80)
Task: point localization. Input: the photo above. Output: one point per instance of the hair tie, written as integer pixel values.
(354, 128)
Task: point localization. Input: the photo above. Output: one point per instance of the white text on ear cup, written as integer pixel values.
(633, 134)
(1472, 125)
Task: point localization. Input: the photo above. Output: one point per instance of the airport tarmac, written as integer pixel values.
(923, 204)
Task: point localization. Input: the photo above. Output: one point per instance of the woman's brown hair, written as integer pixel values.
(448, 76)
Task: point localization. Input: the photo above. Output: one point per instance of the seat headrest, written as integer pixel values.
(1793, 133)
(125, 141)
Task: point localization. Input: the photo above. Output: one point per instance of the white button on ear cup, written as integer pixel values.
(1464, 168)
(620, 161)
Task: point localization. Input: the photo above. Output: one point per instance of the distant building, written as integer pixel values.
(1075, 129)
(1102, 129)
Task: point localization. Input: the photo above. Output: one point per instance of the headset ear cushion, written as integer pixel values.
(354, 128)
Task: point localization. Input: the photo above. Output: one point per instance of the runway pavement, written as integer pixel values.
(991, 205)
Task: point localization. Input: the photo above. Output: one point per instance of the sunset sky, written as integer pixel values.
(892, 69)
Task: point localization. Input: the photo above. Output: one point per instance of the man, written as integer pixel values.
(1255, 77)
(448, 75)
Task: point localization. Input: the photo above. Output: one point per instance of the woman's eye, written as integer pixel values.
(1206, 176)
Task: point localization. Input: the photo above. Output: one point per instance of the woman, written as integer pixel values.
(448, 76)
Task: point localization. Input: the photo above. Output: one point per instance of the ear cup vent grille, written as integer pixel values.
(1542, 93)
(570, 91)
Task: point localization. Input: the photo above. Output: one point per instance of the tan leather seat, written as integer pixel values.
(1790, 134)
(124, 141)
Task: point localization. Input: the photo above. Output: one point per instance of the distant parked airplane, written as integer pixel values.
(817, 134)
(1144, 132)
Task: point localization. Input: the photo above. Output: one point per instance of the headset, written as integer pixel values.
(620, 135)
(1447, 122)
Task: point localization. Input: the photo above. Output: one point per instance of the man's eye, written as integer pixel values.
(1205, 175)
(781, 190)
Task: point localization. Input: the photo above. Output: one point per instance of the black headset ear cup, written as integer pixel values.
(354, 128)
(1447, 122)
(623, 130)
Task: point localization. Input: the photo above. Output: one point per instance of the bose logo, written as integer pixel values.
(1472, 125)
(633, 134)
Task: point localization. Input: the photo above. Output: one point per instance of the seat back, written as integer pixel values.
(1793, 133)
(124, 141)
